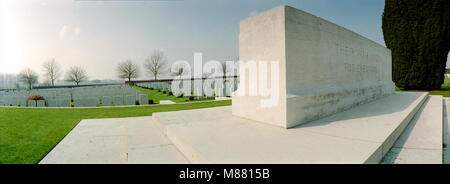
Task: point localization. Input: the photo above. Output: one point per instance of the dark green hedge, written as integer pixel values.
(417, 32)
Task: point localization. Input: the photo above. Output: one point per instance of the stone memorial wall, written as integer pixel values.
(323, 68)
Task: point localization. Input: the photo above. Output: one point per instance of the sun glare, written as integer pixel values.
(11, 45)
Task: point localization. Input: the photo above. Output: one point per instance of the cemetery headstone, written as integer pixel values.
(130, 100)
(106, 101)
(41, 103)
(31, 103)
(143, 99)
(118, 100)
(51, 102)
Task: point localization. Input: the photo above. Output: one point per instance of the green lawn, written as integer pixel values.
(27, 134)
(444, 91)
(157, 96)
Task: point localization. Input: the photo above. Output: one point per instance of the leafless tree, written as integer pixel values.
(179, 70)
(29, 77)
(156, 63)
(128, 70)
(76, 74)
(52, 71)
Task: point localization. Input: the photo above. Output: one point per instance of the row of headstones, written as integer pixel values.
(63, 98)
(99, 95)
(128, 100)
(13, 100)
(156, 85)
(111, 100)
(24, 103)
(83, 102)
(98, 91)
(220, 88)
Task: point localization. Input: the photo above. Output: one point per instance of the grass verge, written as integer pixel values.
(28, 134)
(444, 91)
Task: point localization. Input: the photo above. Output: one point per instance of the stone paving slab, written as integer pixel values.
(166, 102)
(421, 141)
(115, 141)
(360, 135)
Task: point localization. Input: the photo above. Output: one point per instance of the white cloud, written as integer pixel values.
(69, 31)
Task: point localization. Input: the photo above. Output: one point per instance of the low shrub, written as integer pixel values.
(36, 97)
(164, 92)
(151, 102)
(180, 96)
(191, 98)
(170, 93)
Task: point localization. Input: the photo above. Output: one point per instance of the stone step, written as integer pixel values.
(363, 134)
(446, 132)
(134, 140)
(421, 141)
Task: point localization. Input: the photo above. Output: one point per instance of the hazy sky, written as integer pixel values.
(97, 35)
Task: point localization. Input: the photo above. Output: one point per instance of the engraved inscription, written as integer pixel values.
(351, 67)
(345, 50)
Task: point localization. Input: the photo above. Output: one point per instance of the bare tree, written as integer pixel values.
(52, 71)
(76, 74)
(29, 77)
(128, 70)
(156, 63)
(179, 70)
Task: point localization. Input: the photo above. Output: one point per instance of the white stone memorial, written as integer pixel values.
(323, 68)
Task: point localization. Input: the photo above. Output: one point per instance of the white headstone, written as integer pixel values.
(64, 101)
(40, 103)
(106, 101)
(118, 100)
(51, 102)
(130, 100)
(90, 102)
(23, 101)
(31, 103)
(78, 102)
(143, 99)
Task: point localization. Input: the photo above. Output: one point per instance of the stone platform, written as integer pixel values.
(421, 141)
(359, 135)
(115, 141)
